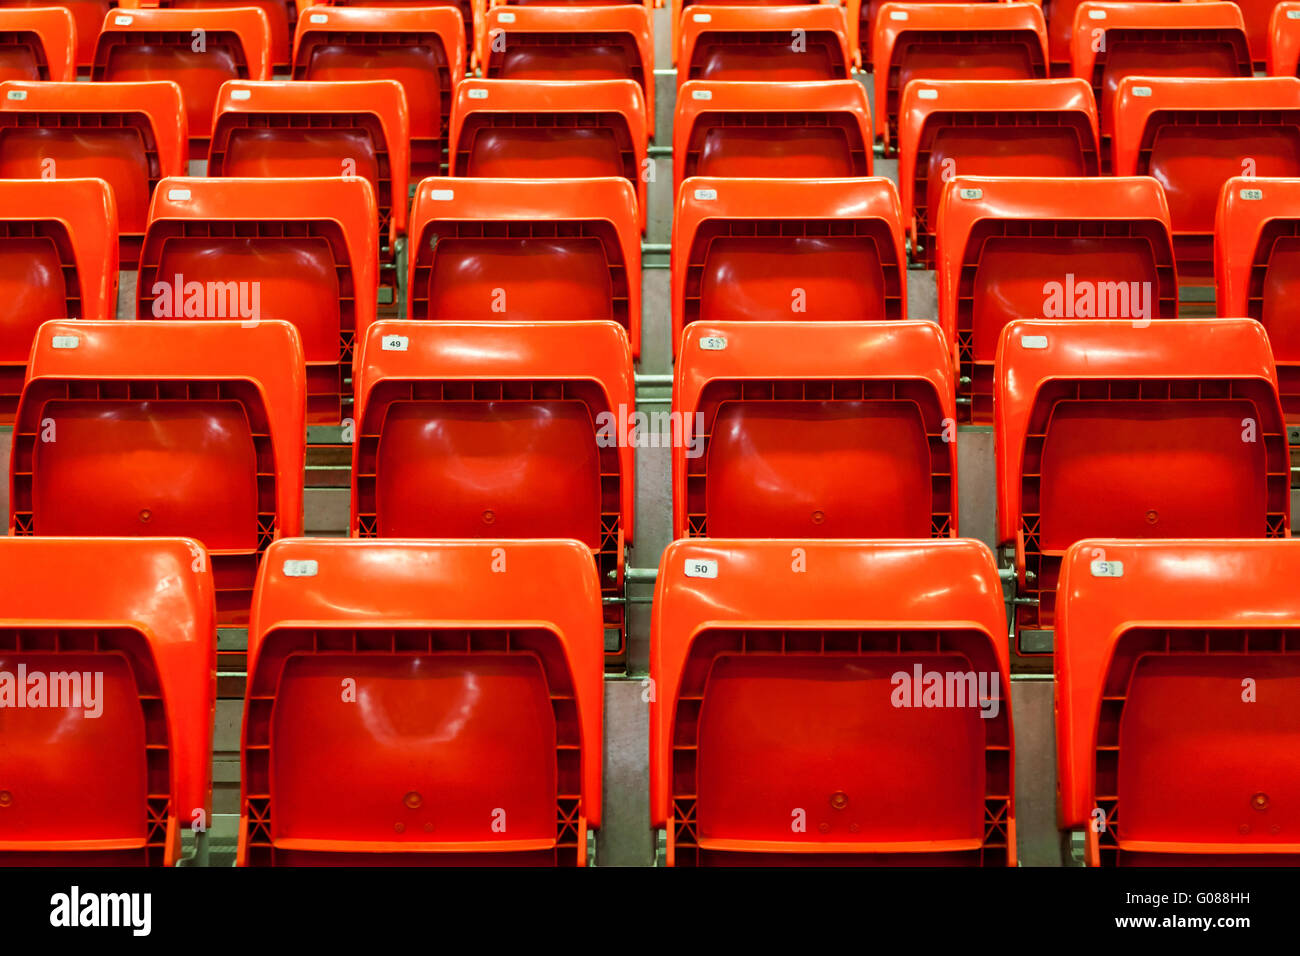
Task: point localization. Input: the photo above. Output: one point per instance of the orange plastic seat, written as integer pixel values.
(1093, 248)
(1115, 40)
(158, 44)
(470, 11)
(572, 43)
(58, 259)
(1060, 31)
(677, 12)
(141, 429)
(118, 637)
(1257, 269)
(281, 18)
(780, 442)
(1257, 15)
(787, 250)
(515, 429)
(1192, 135)
(131, 135)
(37, 43)
(87, 17)
(939, 41)
(863, 18)
(1178, 701)
(768, 44)
(551, 129)
(423, 49)
(301, 250)
(307, 129)
(1284, 40)
(788, 724)
(948, 128)
(473, 731)
(819, 130)
(534, 250)
(1104, 430)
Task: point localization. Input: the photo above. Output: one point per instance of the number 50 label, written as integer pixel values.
(701, 568)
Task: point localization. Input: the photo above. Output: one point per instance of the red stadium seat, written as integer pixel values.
(1284, 40)
(793, 249)
(281, 17)
(423, 49)
(788, 724)
(131, 135)
(1060, 30)
(677, 12)
(301, 250)
(155, 44)
(1103, 430)
(530, 250)
(940, 41)
(1257, 15)
(1192, 135)
(778, 442)
(863, 19)
(473, 733)
(536, 416)
(1158, 646)
(470, 11)
(1115, 40)
(58, 259)
(164, 428)
(771, 44)
(1093, 248)
(572, 43)
(948, 128)
(37, 44)
(551, 129)
(1257, 268)
(118, 639)
(771, 130)
(308, 129)
(87, 16)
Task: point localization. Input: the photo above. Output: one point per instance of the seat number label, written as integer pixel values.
(1107, 569)
(701, 568)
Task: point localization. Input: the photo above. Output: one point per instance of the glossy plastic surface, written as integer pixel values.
(761, 43)
(37, 43)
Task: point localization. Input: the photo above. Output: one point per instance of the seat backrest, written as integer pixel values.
(1106, 430)
(302, 250)
(793, 249)
(950, 128)
(773, 441)
(131, 135)
(196, 49)
(1256, 266)
(37, 43)
(318, 129)
(772, 44)
(677, 12)
(1177, 693)
(1007, 248)
(1115, 40)
(572, 43)
(500, 637)
(551, 129)
(1192, 135)
(422, 48)
(87, 17)
(863, 18)
(973, 41)
(771, 130)
(281, 18)
(1060, 32)
(808, 659)
(1284, 39)
(471, 14)
(107, 666)
(58, 259)
(526, 250)
(212, 413)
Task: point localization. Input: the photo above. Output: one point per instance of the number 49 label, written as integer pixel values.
(701, 568)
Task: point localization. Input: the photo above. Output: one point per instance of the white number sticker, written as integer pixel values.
(701, 568)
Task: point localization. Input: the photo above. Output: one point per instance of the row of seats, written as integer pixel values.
(542, 250)
(526, 430)
(461, 684)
